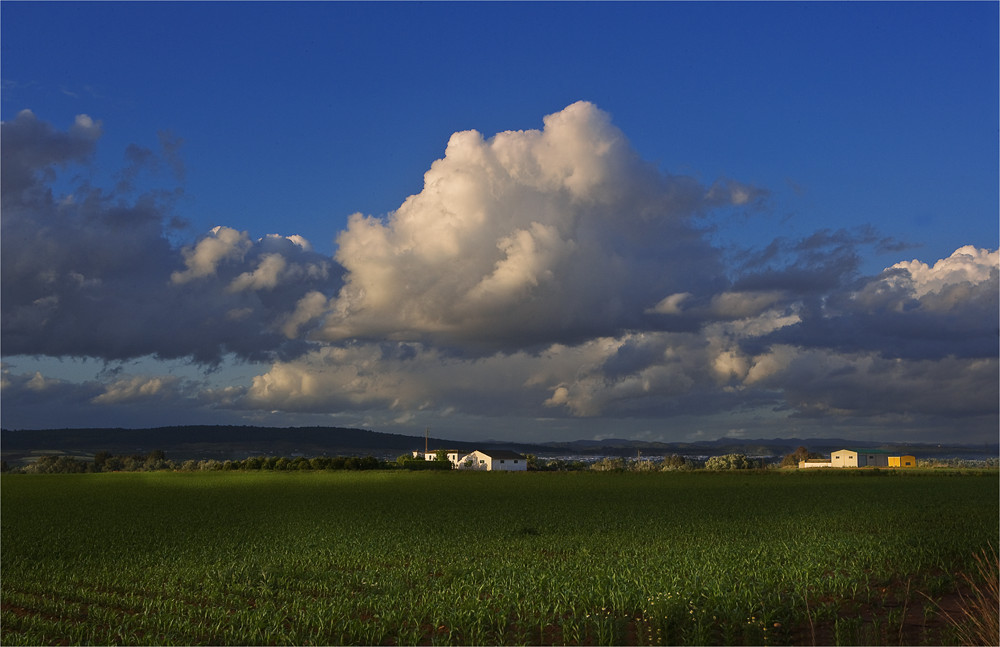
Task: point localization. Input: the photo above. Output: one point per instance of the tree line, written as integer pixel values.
(677, 463)
(156, 460)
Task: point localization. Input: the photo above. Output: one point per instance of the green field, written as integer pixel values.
(842, 557)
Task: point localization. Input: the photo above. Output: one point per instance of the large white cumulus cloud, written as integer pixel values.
(528, 237)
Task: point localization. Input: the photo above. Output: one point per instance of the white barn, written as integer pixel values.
(494, 460)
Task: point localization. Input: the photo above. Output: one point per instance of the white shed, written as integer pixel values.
(844, 458)
(494, 460)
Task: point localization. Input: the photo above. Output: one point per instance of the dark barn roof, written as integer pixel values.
(501, 453)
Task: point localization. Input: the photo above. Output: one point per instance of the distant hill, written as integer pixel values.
(219, 442)
(238, 442)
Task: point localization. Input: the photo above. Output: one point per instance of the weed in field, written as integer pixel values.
(978, 623)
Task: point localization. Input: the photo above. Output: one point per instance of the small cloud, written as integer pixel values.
(137, 389)
(222, 244)
(39, 383)
(671, 305)
(265, 277)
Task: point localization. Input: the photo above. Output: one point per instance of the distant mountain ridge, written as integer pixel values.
(767, 447)
(220, 442)
(238, 442)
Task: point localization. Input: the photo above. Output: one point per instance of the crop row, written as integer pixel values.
(408, 558)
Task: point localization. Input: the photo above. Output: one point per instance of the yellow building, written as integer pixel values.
(902, 461)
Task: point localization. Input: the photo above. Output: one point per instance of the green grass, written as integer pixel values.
(478, 558)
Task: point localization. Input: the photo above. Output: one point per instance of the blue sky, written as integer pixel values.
(814, 146)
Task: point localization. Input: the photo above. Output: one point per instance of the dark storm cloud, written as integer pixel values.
(33, 150)
(816, 264)
(823, 384)
(89, 273)
(894, 315)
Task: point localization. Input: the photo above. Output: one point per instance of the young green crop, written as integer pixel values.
(470, 558)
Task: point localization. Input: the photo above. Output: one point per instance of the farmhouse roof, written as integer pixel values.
(500, 453)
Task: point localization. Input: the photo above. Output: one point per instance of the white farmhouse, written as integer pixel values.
(494, 460)
(454, 455)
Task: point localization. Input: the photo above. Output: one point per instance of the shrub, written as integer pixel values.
(420, 464)
(728, 462)
(677, 462)
(609, 464)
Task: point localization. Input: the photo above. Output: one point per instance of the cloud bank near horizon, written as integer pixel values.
(552, 273)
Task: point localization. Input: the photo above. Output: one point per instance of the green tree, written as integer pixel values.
(644, 465)
(155, 460)
(728, 462)
(101, 459)
(609, 464)
(800, 454)
(320, 463)
(133, 463)
(676, 462)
